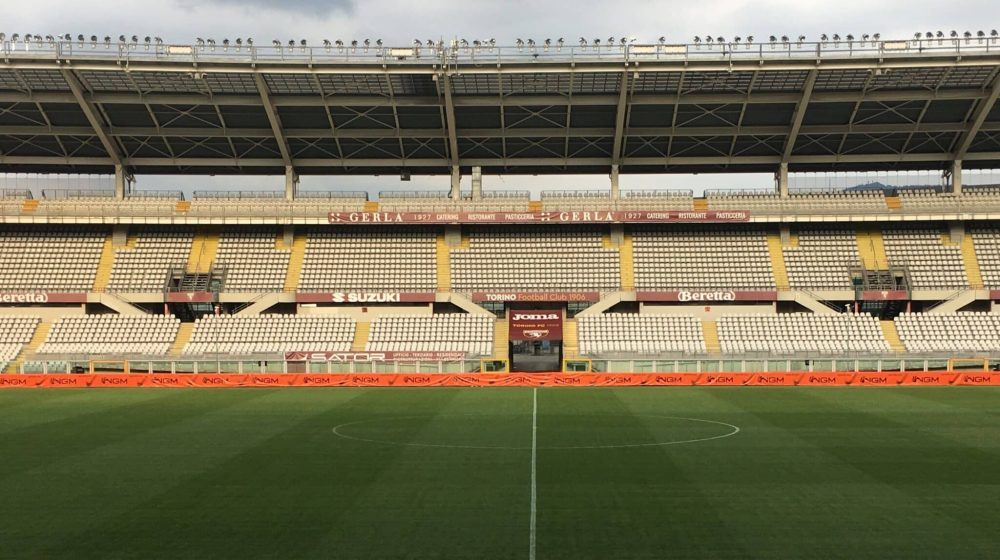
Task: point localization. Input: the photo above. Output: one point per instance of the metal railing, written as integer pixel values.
(58, 194)
(323, 195)
(240, 194)
(460, 53)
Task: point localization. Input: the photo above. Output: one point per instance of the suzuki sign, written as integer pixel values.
(364, 297)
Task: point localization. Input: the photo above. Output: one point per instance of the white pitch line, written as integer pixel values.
(534, 477)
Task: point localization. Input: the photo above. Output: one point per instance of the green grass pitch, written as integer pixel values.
(447, 473)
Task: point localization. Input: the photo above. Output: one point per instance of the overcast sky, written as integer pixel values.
(401, 21)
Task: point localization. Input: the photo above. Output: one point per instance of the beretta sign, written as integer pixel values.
(42, 297)
(707, 296)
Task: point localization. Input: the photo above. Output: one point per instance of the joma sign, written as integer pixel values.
(536, 324)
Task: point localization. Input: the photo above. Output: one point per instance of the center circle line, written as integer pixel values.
(338, 431)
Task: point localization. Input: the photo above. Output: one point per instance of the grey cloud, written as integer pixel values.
(318, 8)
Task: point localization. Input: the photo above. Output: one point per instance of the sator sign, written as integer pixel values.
(536, 324)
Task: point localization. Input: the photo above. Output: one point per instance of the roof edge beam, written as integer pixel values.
(272, 117)
(93, 117)
(799, 115)
(978, 118)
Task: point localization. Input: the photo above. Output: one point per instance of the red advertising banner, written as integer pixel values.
(348, 357)
(995, 295)
(190, 297)
(884, 295)
(364, 297)
(588, 217)
(42, 297)
(535, 324)
(707, 296)
(497, 379)
(480, 297)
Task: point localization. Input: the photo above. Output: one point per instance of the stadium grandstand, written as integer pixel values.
(900, 278)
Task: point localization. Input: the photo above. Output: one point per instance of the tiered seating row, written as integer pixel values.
(145, 267)
(684, 259)
(969, 332)
(822, 259)
(15, 332)
(801, 332)
(49, 259)
(630, 333)
(931, 263)
(265, 334)
(112, 334)
(813, 203)
(370, 260)
(530, 260)
(986, 241)
(456, 332)
(252, 262)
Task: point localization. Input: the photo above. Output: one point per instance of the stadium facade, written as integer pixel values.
(735, 285)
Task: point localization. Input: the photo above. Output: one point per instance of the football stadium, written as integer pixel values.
(482, 372)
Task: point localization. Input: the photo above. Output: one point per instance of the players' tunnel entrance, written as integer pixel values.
(535, 339)
(535, 355)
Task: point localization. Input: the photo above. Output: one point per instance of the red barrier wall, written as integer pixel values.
(886, 379)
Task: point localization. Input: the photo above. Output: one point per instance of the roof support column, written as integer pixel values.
(956, 176)
(456, 182)
(615, 188)
(123, 182)
(291, 183)
(449, 124)
(619, 140)
(781, 175)
(477, 182)
(291, 178)
(781, 180)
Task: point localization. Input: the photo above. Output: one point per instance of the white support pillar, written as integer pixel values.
(956, 176)
(291, 183)
(477, 183)
(615, 187)
(456, 182)
(121, 181)
(781, 180)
